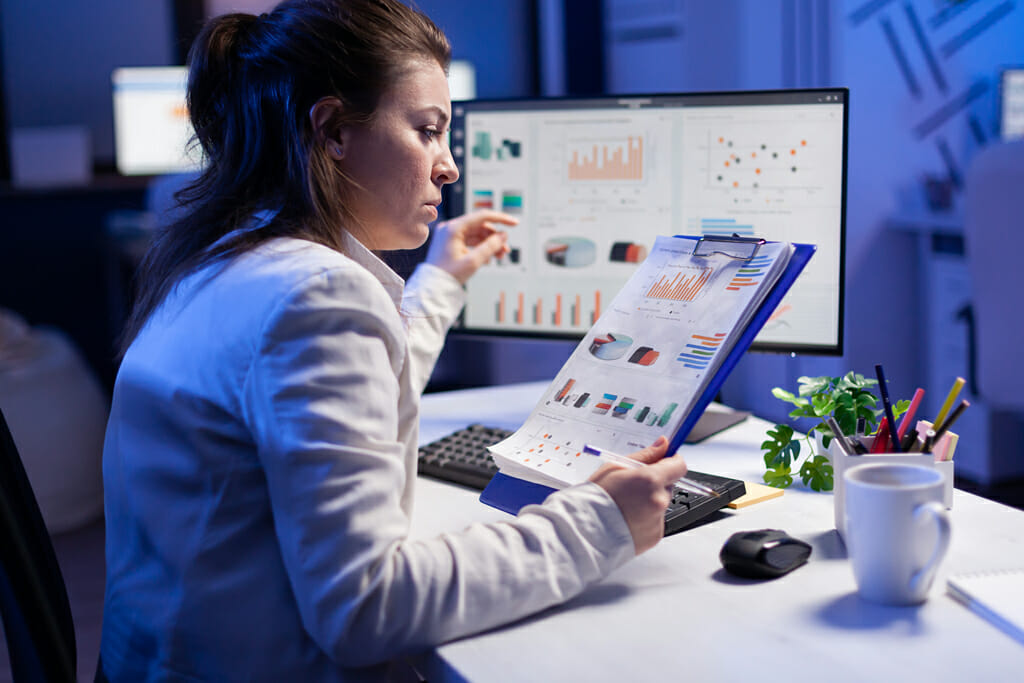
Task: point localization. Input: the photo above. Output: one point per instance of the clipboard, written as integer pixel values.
(510, 494)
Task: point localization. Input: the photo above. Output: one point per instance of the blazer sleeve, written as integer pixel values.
(432, 301)
(320, 399)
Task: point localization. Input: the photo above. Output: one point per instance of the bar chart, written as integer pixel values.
(619, 160)
(683, 285)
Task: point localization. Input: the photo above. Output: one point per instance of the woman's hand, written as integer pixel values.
(461, 245)
(644, 493)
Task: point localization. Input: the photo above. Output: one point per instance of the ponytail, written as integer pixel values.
(252, 82)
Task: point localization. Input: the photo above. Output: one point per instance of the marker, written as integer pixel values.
(884, 390)
(682, 482)
(953, 417)
(953, 393)
(837, 434)
(908, 417)
(881, 436)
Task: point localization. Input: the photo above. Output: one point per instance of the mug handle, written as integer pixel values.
(937, 511)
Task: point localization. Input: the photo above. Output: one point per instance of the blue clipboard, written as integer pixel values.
(511, 493)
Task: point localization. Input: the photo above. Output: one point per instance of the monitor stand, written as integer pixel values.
(716, 418)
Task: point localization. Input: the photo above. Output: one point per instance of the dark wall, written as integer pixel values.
(58, 267)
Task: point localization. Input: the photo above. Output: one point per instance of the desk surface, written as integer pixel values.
(674, 613)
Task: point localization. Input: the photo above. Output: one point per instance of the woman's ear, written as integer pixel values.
(324, 117)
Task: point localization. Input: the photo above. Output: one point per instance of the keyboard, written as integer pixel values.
(462, 458)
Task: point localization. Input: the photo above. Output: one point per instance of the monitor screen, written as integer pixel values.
(1011, 103)
(151, 126)
(594, 181)
(462, 80)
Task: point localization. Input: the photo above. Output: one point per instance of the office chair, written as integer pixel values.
(34, 603)
(993, 218)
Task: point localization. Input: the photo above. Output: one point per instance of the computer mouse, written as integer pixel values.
(763, 554)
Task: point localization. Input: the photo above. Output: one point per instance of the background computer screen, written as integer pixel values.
(1011, 103)
(151, 126)
(594, 181)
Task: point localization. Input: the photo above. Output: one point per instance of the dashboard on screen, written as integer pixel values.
(1011, 103)
(594, 181)
(151, 125)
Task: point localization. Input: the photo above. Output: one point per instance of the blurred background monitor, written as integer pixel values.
(151, 126)
(595, 180)
(1011, 103)
(462, 80)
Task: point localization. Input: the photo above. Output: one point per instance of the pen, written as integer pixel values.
(884, 390)
(953, 417)
(948, 403)
(682, 482)
(908, 417)
(838, 435)
(881, 436)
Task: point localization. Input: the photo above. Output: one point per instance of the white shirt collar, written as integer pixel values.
(393, 284)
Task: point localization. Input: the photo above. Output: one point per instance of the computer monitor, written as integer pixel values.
(462, 80)
(594, 180)
(151, 126)
(1011, 103)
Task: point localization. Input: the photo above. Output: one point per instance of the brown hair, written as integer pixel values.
(252, 83)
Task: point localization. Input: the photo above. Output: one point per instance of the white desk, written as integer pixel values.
(673, 613)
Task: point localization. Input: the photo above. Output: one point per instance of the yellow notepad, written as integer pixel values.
(755, 494)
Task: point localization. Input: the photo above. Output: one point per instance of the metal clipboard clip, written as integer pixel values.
(744, 248)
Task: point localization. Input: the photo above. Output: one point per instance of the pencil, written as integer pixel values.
(953, 417)
(908, 417)
(948, 403)
(884, 390)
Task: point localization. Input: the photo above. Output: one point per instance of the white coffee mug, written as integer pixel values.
(897, 530)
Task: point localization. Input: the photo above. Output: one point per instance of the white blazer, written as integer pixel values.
(259, 468)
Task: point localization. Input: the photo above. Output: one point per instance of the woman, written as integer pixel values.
(261, 451)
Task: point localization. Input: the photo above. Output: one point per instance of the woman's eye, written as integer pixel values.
(431, 133)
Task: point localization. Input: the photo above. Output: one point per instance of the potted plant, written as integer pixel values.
(848, 399)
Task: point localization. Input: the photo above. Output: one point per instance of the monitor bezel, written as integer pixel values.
(456, 197)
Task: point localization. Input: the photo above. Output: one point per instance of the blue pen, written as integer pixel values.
(682, 482)
(884, 390)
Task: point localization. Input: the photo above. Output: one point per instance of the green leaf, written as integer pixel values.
(780, 448)
(817, 473)
(823, 405)
(779, 477)
(788, 397)
(813, 385)
(900, 408)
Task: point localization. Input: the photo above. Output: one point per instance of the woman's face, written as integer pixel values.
(399, 162)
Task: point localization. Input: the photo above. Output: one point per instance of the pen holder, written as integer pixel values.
(842, 462)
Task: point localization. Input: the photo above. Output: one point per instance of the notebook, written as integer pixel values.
(996, 595)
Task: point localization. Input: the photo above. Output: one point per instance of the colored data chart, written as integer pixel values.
(483, 199)
(511, 200)
(610, 346)
(723, 227)
(627, 252)
(750, 273)
(623, 407)
(644, 355)
(610, 405)
(698, 353)
(570, 252)
(563, 310)
(604, 404)
(618, 160)
(756, 164)
(484, 147)
(684, 285)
